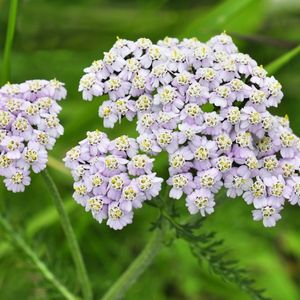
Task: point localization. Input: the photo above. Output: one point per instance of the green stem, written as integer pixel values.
(70, 235)
(137, 267)
(21, 244)
(58, 165)
(9, 40)
(140, 264)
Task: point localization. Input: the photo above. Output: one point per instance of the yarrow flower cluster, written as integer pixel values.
(206, 105)
(112, 178)
(29, 126)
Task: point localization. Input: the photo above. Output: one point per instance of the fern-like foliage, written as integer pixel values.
(206, 247)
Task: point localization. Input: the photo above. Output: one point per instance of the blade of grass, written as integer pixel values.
(4, 248)
(215, 20)
(281, 61)
(5, 74)
(21, 244)
(45, 218)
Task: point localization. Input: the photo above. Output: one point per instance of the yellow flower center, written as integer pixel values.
(111, 162)
(144, 182)
(129, 193)
(201, 153)
(179, 181)
(117, 182)
(17, 178)
(31, 156)
(4, 118)
(177, 161)
(144, 102)
(95, 203)
(224, 164)
(207, 180)
(201, 202)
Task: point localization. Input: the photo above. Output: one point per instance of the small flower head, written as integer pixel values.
(111, 178)
(29, 126)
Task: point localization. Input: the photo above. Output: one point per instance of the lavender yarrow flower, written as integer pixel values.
(111, 178)
(201, 200)
(205, 104)
(29, 126)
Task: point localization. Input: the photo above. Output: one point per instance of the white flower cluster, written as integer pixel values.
(111, 178)
(206, 104)
(29, 126)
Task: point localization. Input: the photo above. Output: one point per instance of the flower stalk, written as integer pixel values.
(9, 41)
(70, 235)
(137, 267)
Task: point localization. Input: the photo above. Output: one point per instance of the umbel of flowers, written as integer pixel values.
(206, 105)
(111, 177)
(29, 126)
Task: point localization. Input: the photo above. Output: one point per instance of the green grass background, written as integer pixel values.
(58, 38)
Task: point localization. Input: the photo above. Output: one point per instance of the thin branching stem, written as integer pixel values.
(70, 235)
(22, 245)
(137, 267)
(5, 74)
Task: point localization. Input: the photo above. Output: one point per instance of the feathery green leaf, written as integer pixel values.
(21, 244)
(206, 248)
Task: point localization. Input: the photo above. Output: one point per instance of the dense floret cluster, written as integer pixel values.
(111, 177)
(29, 126)
(206, 105)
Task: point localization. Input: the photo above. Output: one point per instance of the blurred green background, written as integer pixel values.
(57, 38)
